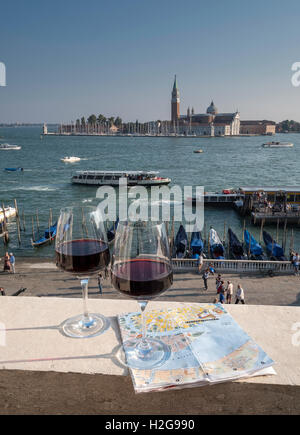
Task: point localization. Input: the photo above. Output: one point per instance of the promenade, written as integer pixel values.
(42, 278)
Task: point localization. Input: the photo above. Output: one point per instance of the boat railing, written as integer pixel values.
(246, 266)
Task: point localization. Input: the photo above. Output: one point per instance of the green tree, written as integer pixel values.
(92, 119)
(118, 121)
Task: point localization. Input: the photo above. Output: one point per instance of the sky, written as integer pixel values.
(67, 59)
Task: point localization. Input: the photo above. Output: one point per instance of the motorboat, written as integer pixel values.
(71, 159)
(198, 151)
(14, 169)
(278, 145)
(8, 147)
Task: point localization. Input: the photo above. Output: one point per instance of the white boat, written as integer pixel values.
(71, 159)
(7, 147)
(198, 151)
(278, 145)
(9, 213)
(111, 178)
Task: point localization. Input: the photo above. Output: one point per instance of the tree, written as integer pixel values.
(83, 121)
(111, 121)
(101, 119)
(92, 119)
(118, 121)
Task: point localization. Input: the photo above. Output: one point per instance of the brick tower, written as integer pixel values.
(175, 112)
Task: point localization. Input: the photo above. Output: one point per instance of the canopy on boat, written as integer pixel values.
(196, 243)
(255, 248)
(236, 246)
(181, 242)
(273, 248)
(216, 246)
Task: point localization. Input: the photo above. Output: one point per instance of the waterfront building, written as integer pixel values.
(258, 127)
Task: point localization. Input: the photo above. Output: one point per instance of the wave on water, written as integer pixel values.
(36, 188)
(87, 200)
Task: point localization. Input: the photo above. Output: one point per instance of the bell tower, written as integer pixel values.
(175, 112)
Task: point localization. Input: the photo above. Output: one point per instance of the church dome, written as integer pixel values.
(212, 109)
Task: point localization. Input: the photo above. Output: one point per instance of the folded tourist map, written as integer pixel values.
(207, 346)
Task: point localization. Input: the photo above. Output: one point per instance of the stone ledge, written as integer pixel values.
(43, 371)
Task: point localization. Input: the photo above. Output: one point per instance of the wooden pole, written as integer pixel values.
(33, 234)
(37, 220)
(244, 228)
(284, 234)
(208, 245)
(277, 231)
(6, 234)
(249, 248)
(18, 222)
(23, 218)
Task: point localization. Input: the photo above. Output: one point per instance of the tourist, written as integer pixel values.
(229, 292)
(12, 262)
(240, 296)
(205, 276)
(211, 269)
(200, 263)
(2, 292)
(296, 263)
(100, 279)
(7, 265)
(218, 281)
(222, 292)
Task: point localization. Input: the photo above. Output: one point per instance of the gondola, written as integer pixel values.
(274, 250)
(235, 246)
(49, 236)
(181, 243)
(256, 251)
(111, 233)
(196, 244)
(217, 250)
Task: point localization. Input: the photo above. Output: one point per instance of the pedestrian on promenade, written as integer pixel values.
(240, 295)
(296, 263)
(229, 292)
(218, 281)
(211, 268)
(200, 263)
(205, 276)
(7, 265)
(100, 280)
(12, 262)
(2, 292)
(222, 292)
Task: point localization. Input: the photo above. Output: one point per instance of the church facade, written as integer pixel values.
(211, 123)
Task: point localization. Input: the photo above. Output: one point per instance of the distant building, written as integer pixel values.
(258, 127)
(212, 123)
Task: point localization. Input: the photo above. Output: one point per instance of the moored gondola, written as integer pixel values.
(181, 243)
(274, 250)
(253, 248)
(197, 244)
(217, 250)
(236, 248)
(48, 237)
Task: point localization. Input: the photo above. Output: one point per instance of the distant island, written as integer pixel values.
(288, 127)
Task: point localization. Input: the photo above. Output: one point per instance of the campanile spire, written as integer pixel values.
(175, 112)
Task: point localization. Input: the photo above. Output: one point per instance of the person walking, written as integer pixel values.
(229, 292)
(205, 276)
(100, 280)
(240, 295)
(12, 262)
(200, 263)
(2, 292)
(218, 282)
(222, 292)
(296, 263)
(7, 265)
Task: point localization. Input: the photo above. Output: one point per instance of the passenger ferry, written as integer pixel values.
(292, 194)
(111, 178)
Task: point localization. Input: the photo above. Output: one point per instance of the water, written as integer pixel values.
(228, 162)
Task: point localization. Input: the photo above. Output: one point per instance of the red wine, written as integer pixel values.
(142, 278)
(82, 256)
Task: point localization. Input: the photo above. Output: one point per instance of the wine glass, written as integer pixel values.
(141, 269)
(81, 249)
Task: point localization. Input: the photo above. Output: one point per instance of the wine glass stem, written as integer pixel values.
(84, 285)
(144, 345)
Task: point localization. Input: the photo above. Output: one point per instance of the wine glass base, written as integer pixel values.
(154, 355)
(80, 327)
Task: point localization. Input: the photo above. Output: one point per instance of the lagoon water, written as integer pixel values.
(225, 163)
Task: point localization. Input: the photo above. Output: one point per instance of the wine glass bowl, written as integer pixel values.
(81, 249)
(141, 269)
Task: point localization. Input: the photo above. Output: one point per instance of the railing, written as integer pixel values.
(247, 266)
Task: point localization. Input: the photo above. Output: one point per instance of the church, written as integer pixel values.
(211, 123)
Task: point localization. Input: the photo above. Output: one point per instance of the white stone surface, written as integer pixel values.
(33, 340)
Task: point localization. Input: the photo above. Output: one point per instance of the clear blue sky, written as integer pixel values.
(69, 58)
